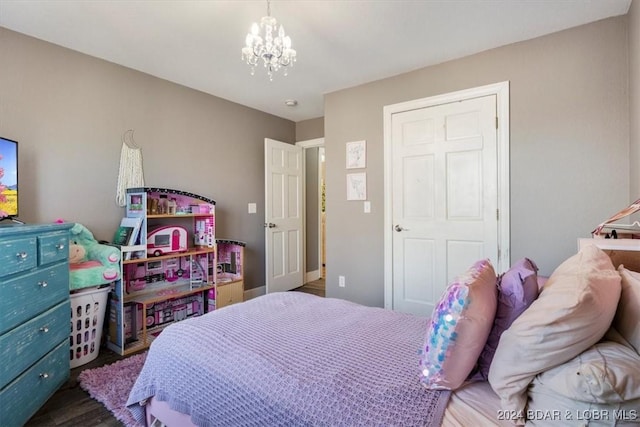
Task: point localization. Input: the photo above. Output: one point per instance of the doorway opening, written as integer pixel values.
(315, 212)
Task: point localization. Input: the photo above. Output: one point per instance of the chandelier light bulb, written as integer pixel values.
(268, 42)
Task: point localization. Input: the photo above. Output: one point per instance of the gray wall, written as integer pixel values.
(69, 112)
(569, 147)
(310, 129)
(633, 22)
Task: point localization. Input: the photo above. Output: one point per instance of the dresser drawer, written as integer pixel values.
(23, 397)
(24, 345)
(53, 247)
(17, 255)
(23, 297)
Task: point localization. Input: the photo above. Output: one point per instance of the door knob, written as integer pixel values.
(399, 228)
(269, 225)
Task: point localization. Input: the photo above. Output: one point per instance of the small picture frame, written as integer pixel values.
(357, 186)
(356, 154)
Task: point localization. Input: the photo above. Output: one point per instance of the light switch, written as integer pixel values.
(252, 208)
(367, 206)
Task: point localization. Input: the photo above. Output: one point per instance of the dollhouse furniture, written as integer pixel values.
(230, 272)
(34, 317)
(90, 262)
(167, 275)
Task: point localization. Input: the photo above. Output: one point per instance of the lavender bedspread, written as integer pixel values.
(292, 359)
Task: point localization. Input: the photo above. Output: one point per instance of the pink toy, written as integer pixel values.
(165, 240)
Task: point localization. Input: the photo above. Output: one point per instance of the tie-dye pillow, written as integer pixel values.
(459, 327)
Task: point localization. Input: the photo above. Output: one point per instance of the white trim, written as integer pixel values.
(310, 276)
(310, 143)
(501, 90)
(254, 293)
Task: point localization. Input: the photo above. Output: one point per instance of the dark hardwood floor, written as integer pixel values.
(71, 406)
(317, 287)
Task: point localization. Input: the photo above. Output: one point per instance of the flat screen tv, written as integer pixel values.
(8, 178)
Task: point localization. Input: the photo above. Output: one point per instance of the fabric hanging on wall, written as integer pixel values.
(130, 174)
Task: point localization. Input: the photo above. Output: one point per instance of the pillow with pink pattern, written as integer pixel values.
(458, 328)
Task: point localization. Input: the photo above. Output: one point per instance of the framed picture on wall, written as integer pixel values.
(357, 186)
(356, 154)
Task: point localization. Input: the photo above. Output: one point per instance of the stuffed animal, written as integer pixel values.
(91, 263)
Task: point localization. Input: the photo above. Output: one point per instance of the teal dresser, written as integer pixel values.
(35, 316)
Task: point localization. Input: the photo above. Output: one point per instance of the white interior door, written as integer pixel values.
(283, 216)
(445, 200)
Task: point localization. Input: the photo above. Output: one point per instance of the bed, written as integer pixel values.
(289, 359)
(294, 359)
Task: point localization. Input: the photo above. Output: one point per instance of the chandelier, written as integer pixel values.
(267, 42)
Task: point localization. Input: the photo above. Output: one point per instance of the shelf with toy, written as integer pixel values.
(160, 312)
(165, 294)
(178, 215)
(174, 261)
(230, 272)
(196, 250)
(166, 273)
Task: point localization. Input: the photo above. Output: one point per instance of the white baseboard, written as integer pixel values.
(310, 276)
(255, 292)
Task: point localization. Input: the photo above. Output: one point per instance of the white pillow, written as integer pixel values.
(572, 313)
(627, 320)
(608, 372)
(550, 409)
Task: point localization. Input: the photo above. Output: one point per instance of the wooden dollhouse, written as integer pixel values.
(168, 273)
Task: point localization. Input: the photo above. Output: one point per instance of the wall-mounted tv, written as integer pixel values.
(8, 178)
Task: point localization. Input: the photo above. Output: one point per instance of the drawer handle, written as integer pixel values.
(44, 329)
(22, 255)
(60, 246)
(44, 375)
(43, 284)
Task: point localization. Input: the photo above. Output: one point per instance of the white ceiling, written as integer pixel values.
(340, 43)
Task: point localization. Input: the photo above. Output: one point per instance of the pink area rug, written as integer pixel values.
(110, 385)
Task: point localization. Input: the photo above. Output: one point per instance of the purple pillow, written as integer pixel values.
(517, 289)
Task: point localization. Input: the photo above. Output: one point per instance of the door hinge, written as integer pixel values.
(497, 214)
(496, 123)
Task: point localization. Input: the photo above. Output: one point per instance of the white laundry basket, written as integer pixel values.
(88, 308)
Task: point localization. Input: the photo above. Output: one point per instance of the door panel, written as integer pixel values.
(444, 186)
(283, 216)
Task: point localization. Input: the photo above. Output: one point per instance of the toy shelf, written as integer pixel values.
(191, 251)
(148, 302)
(161, 295)
(185, 215)
(168, 273)
(229, 272)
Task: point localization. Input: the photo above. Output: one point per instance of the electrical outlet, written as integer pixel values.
(367, 206)
(341, 281)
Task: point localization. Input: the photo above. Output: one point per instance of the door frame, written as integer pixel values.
(501, 90)
(310, 143)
